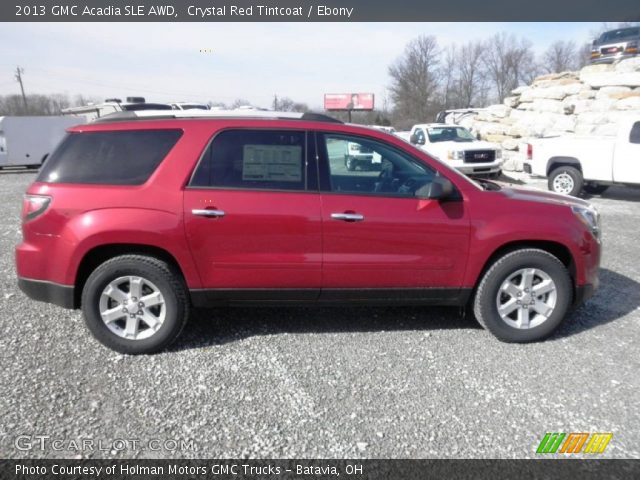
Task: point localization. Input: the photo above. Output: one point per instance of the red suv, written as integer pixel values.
(140, 216)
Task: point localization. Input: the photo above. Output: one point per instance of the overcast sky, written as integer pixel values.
(163, 61)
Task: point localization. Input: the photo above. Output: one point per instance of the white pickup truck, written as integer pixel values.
(456, 146)
(573, 164)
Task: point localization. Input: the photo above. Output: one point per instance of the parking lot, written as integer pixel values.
(325, 382)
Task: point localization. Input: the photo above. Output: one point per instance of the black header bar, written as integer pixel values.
(318, 10)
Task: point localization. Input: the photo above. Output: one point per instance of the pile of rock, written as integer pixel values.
(592, 101)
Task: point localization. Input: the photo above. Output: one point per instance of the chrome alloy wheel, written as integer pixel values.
(132, 307)
(563, 183)
(526, 298)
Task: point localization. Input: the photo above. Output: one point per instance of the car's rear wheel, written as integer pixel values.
(524, 296)
(135, 304)
(566, 180)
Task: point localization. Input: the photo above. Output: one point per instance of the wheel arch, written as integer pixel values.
(100, 254)
(557, 162)
(558, 250)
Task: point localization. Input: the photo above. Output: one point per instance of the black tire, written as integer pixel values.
(574, 181)
(594, 188)
(485, 305)
(168, 281)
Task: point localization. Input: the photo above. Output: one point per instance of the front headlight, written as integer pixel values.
(590, 217)
(455, 155)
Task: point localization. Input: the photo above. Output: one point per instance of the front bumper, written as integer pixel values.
(478, 168)
(584, 293)
(612, 58)
(43, 291)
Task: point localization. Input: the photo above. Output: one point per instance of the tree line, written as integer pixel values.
(428, 78)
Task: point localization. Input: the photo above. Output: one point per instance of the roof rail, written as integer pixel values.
(178, 114)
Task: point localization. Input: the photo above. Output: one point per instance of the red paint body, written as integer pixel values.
(287, 239)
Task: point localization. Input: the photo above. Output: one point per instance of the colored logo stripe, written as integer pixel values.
(598, 442)
(574, 442)
(550, 442)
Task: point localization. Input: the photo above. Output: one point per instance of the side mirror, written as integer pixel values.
(439, 189)
(416, 140)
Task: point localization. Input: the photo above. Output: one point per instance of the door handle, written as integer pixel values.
(348, 217)
(207, 213)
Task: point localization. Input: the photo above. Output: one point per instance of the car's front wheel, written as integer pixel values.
(135, 304)
(524, 296)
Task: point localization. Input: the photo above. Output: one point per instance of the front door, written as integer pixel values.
(377, 233)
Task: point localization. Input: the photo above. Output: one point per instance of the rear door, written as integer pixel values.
(378, 236)
(626, 163)
(252, 216)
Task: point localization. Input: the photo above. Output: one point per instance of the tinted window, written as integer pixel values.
(362, 165)
(117, 158)
(634, 136)
(253, 159)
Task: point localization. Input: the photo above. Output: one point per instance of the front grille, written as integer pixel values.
(479, 156)
(610, 50)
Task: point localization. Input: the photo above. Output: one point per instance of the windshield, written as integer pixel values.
(449, 134)
(621, 34)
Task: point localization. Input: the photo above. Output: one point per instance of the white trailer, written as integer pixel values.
(27, 141)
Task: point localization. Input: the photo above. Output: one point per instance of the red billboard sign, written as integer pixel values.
(348, 101)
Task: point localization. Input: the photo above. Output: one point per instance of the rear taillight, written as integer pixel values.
(529, 151)
(34, 206)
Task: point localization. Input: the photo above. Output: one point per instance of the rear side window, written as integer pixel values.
(127, 157)
(634, 136)
(255, 160)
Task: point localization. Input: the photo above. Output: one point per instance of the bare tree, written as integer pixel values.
(239, 102)
(471, 74)
(510, 62)
(285, 104)
(583, 56)
(37, 104)
(415, 80)
(449, 77)
(561, 56)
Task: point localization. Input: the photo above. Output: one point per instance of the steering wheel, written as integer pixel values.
(384, 182)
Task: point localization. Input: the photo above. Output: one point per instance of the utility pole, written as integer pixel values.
(275, 102)
(19, 72)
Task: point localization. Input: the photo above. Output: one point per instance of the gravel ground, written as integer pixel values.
(330, 382)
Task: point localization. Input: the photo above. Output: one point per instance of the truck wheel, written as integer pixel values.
(595, 188)
(135, 304)
(566, 180)
(524, 296)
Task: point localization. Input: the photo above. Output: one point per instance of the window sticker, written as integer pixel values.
(282, 163)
